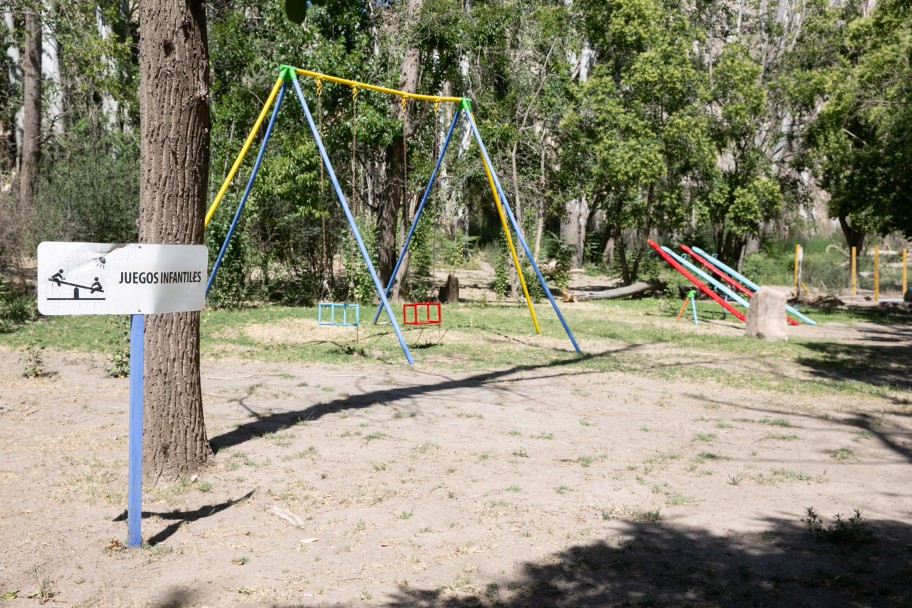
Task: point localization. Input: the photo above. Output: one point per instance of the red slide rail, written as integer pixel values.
(716, 271)
(697, 283)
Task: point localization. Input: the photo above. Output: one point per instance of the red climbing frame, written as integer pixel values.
(416, 319)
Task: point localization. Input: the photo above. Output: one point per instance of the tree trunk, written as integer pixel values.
(174, 164)
(573, 228)
(11, 79)
(392, 197)
(853, 236)
(621, 250)
(31, 104)
(50, 68)
(13, 128)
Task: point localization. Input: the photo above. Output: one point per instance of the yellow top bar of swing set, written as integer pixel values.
(269, 100)
(371, 87)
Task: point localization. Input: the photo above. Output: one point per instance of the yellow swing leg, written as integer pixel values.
(240, 158)
(506, 229)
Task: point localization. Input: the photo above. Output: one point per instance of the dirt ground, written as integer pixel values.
(388, 486)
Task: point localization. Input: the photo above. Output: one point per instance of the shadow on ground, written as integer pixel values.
(276, 422)
(661, 565)
(884, 359)
(180, 518)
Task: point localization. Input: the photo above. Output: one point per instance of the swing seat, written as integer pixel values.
(417, 318)
(347, 311)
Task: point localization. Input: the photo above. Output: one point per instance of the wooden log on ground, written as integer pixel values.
(620, 292)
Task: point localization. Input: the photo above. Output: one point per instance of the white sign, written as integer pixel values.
(109, 279)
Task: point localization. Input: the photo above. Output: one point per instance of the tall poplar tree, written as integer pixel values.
(174, 158)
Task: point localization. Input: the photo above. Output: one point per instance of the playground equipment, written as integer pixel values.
(504, 212)
(750, 284)
(725, 277)
(290, 74)
(718, 285)
(876, 253)
(689, 299)
(690, 277)
(416, 318)
(344, 308)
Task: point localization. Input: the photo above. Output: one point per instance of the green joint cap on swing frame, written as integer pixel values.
(287, 72)
(465, 104)
(691, 293)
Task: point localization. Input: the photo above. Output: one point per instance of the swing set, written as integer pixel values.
(289, 74)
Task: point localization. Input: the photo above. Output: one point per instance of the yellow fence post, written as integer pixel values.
(854, 273)
(905, 285)
(876, 273)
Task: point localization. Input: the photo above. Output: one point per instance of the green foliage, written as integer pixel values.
(501, 263)
(119, 354)
(536, 293)
(296, 10)
(683, 123)
(358, 283)
(16, 309)
(852, 531)
(561, 273)
(32, 360)
(422, 248)
(229, 288)
(89, 190)
(860, 142)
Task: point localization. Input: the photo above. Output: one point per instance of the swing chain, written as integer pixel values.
(354, 149)
(319, 82)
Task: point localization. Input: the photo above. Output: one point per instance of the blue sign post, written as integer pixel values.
(135, 447)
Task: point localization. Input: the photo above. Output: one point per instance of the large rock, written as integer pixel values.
(766, 317)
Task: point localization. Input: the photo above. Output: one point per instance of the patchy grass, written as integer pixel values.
(843, 454)
(617, 346)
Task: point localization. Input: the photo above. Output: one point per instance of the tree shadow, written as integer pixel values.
(893, 437)
(884, 361)
(663, 565)
(182, 517)
(276, 422)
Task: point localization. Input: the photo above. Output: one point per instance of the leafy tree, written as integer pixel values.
(742, 191)
(638, 134)
(860, 144)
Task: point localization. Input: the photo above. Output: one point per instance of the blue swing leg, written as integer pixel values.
(518, 232)
(349, 217)
(253, 174)
(135, 435)
(424, 198)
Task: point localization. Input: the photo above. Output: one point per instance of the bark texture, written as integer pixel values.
(391, 200)
(174, 157)
(31, 110)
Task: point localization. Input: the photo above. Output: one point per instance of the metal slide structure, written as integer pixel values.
(697, 283)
